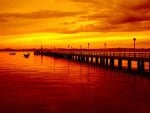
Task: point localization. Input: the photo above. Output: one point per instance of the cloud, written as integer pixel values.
(117, 15)
(86, 1)
(134, 4)
(3, 20)
(20, 23)
(90, 16)
(38, 15)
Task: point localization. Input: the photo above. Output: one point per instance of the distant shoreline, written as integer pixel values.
(76, 49)
(17, 50)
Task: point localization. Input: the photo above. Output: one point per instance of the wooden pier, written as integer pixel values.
(106, 59)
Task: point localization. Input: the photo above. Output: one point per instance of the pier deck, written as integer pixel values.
(106, 59)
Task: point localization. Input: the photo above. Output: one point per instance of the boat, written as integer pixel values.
(26, 55)
(12, 53)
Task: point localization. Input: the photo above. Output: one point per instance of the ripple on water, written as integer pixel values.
(51, 85)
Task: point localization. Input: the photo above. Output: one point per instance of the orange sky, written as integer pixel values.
(31, 23)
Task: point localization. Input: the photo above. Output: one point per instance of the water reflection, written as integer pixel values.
(43, 84)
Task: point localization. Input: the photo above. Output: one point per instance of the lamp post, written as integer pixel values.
(105, 45)
(80, 49)
(88, 45)
(134, 39)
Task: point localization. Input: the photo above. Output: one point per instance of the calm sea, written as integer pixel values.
(51, 85)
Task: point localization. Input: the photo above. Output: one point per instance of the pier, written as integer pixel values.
(105, 59)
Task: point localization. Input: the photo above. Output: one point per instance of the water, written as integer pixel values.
(50, 85)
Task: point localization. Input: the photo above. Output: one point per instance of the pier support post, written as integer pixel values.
(149, 67)
(78, 58)
(120, 63)
(92, 60)
(87, 59)
(101, 61)
(139, 66)
(82, 58)
(129, 65)
(112, 62)
(106, 63)
(96, 60)
(142, 66)
(70, 57)
(75, 57)
(67, 56)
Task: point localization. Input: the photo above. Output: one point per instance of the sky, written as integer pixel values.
(51, 23)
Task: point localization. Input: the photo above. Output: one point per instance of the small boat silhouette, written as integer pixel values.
(12, 53)
(26, 55)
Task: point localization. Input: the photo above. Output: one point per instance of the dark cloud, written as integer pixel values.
(118, 15)
(134, 4)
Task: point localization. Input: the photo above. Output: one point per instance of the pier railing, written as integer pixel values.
(135, 55)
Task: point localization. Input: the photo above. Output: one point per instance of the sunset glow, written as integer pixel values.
(32, 23)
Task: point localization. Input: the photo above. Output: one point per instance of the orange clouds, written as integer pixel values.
(40, 21)
(89, 16)
(75, 17)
